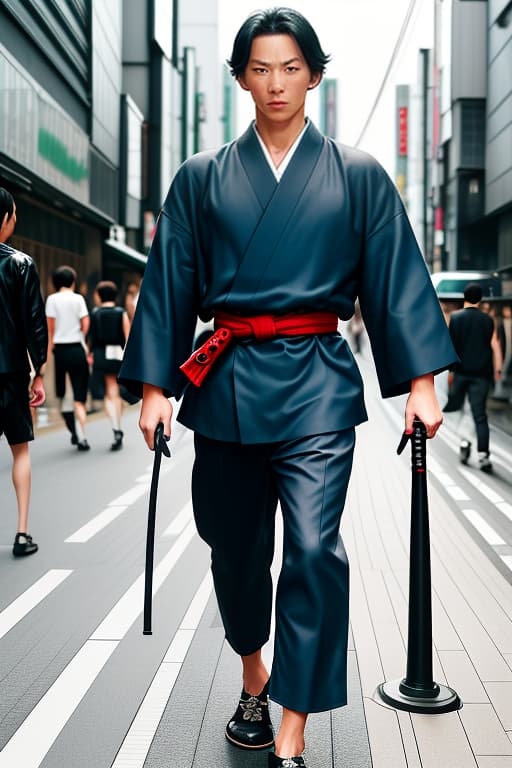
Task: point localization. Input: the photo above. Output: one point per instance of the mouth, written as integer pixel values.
(277, 103)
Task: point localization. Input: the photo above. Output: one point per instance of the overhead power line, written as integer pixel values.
(396, 49)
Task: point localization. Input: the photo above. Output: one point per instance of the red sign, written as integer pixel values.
(402, 131)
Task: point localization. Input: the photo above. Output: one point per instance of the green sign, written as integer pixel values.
(56, 153)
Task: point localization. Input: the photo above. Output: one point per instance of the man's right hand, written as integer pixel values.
(155, 408)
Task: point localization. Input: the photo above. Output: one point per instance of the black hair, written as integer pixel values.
(6, 204)
(63, 277)
(473, 293)
(107, 290)
(277, 21)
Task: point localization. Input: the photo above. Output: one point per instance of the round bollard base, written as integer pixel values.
(445, 701)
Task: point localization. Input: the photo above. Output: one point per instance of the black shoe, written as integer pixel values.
(484, 463)
(285, 762)
(83, 445)
(250, 727)
(23, 545)
(118, 440)
(464, 451)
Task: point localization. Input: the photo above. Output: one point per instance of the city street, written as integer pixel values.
(81, 686)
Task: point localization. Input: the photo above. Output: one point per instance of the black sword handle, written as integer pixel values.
(160, 446)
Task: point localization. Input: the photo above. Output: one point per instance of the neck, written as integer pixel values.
(467, 304)
(278, 137)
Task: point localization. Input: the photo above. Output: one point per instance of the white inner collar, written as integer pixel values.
(278, 172)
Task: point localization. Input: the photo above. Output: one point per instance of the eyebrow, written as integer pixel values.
(268, 64)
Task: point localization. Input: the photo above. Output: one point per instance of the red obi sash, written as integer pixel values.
(260, 327)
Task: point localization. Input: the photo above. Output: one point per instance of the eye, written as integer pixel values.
(259, 70)
(292, 69)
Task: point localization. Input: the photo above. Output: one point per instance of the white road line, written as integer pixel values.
(130, 496)
(484, 489)
(95, 525)
(447, 482)
(117, 623)
(506, 508)
(135, 747)
(483, 528)
(31, 742)
(28, 600)
(507, 559)
(180, 521)
(457, 493)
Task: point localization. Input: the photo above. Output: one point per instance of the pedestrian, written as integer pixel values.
(505, 339)
(22, 331)
(474, 338)
(274, 236)
(68, 324)
(108, 332)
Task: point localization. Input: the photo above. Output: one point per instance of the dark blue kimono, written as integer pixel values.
(231, 237)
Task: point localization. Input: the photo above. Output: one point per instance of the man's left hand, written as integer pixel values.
(37, 394)
(422, 404)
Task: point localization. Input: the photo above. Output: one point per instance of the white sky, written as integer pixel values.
(360, 35)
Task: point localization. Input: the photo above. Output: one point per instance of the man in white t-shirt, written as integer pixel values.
(68, 324)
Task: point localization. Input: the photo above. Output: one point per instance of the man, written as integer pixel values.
(474, 338)
(68, 324)
(22, 330)
(275, 235)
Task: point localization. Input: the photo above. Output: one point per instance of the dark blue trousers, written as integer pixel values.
(477, 390)
(235, 490)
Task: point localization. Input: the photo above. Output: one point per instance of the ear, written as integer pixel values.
(241, 82)
(315, 81)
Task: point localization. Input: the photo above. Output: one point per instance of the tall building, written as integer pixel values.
(59, 136)
(100, 101)
(473, 133)
(498, 150)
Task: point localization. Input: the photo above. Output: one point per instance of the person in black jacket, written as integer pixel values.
(475, 341)
(22, 330)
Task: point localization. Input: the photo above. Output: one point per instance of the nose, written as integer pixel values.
(275, 85)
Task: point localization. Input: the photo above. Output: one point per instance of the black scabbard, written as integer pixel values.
(160, 447)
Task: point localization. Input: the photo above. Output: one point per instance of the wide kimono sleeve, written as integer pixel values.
(162, 332)
(400, 308)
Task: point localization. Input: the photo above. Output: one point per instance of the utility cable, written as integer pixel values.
(398, 45)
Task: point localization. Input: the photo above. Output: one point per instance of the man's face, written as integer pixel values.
(277, 77)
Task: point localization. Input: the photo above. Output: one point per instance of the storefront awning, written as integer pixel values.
(126, 254)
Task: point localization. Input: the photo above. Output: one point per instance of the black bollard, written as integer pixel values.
(418, 692)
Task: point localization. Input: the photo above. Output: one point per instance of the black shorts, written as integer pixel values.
(15, 416)
(70, 359)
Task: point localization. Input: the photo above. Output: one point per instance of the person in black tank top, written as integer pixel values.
(475, 341)
(107, 336)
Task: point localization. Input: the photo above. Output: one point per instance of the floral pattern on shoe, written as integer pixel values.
(252, 709)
